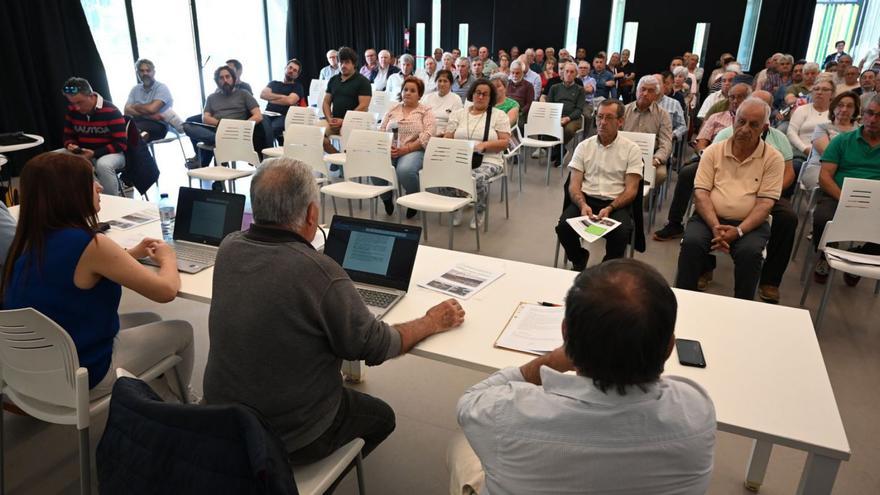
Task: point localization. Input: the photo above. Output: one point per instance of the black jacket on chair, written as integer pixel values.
(153, 447)
(140, 169)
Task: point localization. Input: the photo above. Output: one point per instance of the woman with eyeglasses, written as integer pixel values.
(470, 123)
(61, 266)
(806, 117)
(443, 101)
(843, 113)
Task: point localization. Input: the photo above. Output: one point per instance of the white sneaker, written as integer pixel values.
(474, 220)
(538, 153)
(456, 218)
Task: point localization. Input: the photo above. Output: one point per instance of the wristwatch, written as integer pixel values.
(739, 231)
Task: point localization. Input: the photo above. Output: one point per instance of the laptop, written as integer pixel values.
(378, 256)
(204, 218)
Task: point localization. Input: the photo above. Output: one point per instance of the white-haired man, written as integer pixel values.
(799, 93)
(726, 81)
(519, 89)
(645, 115)
(384, 69)
(332, 67)
(299, 316)
(463, 78)
(428, 74)
(489, 66)
(738, 181)
(571, 95)
(395, 81)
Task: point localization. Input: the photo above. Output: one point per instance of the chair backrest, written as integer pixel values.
(857, 213)
(645, 140)
(355, 121)
(235, 142)
(38, 359)
(379, 104)
(544, 119)
(300, 115)
(447, 163)
(306, 144)
(368, 154)
(317, 88)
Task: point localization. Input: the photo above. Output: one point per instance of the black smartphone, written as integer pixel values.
(77, 150)
(690, 353)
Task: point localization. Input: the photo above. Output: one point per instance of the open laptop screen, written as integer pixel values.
(206, 216)
(372, 252)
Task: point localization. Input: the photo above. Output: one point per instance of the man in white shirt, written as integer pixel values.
(606, 170)
(332, 69)
(713, 98)
(614, 427)
(428, 75)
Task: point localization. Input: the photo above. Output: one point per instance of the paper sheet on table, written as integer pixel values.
(135, 219)
(592, 228)
(127, 240)
(461, 281)
(851, 257)
(533, 328)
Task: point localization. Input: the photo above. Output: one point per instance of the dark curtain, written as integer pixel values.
(315, 26)
(784, 27)
(42, 43)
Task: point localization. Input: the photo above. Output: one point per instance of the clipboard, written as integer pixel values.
(509, 340)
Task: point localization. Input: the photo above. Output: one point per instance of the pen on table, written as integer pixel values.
(549, 304)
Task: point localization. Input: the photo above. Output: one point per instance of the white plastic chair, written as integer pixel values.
(370, 156)
(645, 140)
(234, 142)
(447, 163)
(379, 104)
(353, 121)
(306, 144)
(544, 119)
(317, 90)
(295, 115)
(316, 478)
(40, 373)
(854, 221)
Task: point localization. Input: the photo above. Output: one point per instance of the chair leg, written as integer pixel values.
(556, 255)
(825, 296)
(323, 209)
(424, 215)
(85, 465)
(333, 199)
(184, 390)
(350, 210)
(549, 166)
(2, 460)
(372, 208)
(506, 188)
(477, 222)
(877, 288)
(808, 264)
(359, 470)
(486, 223)
(451, 230)
(797, 242)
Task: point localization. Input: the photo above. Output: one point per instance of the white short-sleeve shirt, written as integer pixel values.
(465, 125)
(605, 167)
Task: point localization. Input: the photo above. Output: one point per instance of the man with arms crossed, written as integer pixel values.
(284, 316)
(616, 426)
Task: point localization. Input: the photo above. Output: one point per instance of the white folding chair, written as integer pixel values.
(379, 104)
(854, 221)
(317, 90)
(447, 163)
(351, 122)
(295, 115)
(316, 478)
(645, 141)
(370, 156)
(306, 144)
(545, 119)
(40, 373)
(234, 142)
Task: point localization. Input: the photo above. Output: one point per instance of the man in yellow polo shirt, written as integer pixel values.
(738, 181)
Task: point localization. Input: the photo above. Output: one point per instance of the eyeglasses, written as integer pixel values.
(481, 94)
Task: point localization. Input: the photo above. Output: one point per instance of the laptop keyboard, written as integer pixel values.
(376, 298)
(197, 254)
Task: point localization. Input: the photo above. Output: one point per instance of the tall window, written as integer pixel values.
(630, 35)
(571, 25)
(109, 24)
(276, 10)
(435, 24)
(747, 37)
(615, 29)
(233, 29)
(420, 43)
(701, 38)
(463, 39)
(834, 20)
(175, 57)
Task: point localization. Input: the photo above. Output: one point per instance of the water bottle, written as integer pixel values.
(166, 216)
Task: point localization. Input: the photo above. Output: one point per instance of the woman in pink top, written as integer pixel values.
(413, 124)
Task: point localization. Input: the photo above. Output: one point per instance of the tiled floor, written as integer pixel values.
(42, 458)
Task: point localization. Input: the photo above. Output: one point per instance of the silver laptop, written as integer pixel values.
(204, 218)
(378, 256)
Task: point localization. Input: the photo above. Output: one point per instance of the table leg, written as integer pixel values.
(818, 475)
(757, 465)
(353, 371)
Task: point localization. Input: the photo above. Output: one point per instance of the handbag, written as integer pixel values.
(477, 158)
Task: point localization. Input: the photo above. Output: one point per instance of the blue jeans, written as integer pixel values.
(408, 167)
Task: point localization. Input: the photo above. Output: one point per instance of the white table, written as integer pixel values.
(23, 146)
(765, 371)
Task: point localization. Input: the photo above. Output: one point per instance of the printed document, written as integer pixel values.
(533, 328)
(592, 227)
(461, 281)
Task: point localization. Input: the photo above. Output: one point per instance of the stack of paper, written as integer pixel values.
(460, 280)
(533, 328)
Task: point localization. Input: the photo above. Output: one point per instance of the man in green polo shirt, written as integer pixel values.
(851, 154)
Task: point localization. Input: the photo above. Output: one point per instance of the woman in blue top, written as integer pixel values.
(61, 267)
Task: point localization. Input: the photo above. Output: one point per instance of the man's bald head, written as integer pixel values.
(764, 95)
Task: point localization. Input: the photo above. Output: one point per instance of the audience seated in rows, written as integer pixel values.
(540, 429)
(606, 172)
(645, 115)
(278, 347)
(59, 265)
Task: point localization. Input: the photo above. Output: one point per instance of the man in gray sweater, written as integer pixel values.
(283, 317)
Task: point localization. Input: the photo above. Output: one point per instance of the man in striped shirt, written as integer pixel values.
(94, 129)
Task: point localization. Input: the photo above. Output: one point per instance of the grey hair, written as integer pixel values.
(810, 66)
(406, 57)
(648, 80)
(786, 58)
(874, 100)
(680, 71)
(499, 76)
(331, 52)
(734, 67)
(281, 192)
(463, 59)
(755, 101)
(384, 51)
(516, 64)
(144, 61)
